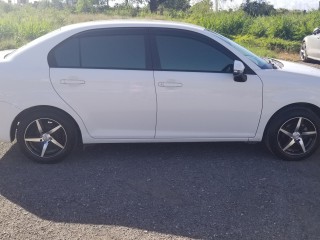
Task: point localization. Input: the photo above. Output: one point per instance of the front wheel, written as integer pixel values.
(303, 52)
(46, 136)
(294, 134)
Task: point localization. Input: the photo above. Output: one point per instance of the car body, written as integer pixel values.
(152, 81)
(310, 47)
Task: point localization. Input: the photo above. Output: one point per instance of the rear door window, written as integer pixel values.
(103, 49)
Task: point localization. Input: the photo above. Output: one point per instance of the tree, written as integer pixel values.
(203, 7)
(154, 4)
(57, 4)
(173, 4)
(209, 5)
(218, 3)
(257, 8)
(177, 4)
(84, 5)
(105, 2)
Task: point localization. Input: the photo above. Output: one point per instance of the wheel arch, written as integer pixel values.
(292, 106)
(305, 40)
(16, 121)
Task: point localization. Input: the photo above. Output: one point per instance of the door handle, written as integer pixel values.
(170, 84)
(72, 81)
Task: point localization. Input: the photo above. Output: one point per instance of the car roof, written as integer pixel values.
(54, 37)
(132, 23)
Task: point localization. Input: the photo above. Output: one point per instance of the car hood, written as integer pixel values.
(299, 68)
(5, 52)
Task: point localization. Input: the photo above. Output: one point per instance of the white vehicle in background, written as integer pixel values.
(145, 81)
(310, 47)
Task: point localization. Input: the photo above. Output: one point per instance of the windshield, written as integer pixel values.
(263, 64)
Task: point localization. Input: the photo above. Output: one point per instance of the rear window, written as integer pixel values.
(67, 54)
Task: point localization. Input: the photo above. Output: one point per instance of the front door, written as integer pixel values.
(196, 93)
(313, 46)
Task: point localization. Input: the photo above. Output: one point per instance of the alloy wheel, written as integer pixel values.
(45, 138)
(297, 136)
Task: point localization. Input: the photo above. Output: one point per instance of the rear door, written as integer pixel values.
(106, 77)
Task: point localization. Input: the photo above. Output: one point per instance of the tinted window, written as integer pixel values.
(66, 54)
(112, 51)
(183, 53)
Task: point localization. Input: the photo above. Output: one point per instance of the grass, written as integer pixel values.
(273, 36)
(266, 47)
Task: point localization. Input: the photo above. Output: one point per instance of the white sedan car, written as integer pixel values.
(310, 47)
(142, 81)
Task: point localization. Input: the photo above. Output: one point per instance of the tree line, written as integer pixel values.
(153, 5)
(251, 7)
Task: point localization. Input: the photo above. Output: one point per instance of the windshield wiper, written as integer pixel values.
(274, 63)
(9, 53)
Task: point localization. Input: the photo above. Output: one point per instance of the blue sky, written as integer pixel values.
(289, 4)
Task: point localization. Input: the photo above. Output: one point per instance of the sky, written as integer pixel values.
(288, 4)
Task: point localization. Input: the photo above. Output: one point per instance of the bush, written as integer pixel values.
(283, 27)
(274, 44)
(23, 24)
(225, 23)
(258, 27)
(293, 26)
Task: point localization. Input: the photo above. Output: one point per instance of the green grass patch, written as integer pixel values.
(265, 36)
(268, 44)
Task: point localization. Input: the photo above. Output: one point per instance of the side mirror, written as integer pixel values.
(238, 72)
(316, 31)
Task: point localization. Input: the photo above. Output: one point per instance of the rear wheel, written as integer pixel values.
(294, 134)
(46, 136)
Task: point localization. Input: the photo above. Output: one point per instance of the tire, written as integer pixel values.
(293, 134)
(303, 52)
(46, 136)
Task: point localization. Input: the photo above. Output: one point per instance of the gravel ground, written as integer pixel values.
(160, 191)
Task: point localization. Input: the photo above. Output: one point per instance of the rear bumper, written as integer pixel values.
(8, 112)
